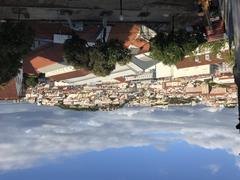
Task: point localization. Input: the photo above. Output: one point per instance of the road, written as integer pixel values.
(91, 10)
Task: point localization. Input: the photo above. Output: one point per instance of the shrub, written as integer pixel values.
(16, 41)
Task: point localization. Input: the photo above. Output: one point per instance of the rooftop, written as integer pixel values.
(45, 30)
(143, 61)
(9, 92)
(202, 60)
(129, 34)
(77, 73)
(42, 57)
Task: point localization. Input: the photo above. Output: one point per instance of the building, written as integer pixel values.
(47, 55)
(13, 90)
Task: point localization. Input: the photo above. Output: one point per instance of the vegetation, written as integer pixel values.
(9, 67)
(100, 59)
(102, 66)
(117, 53)
(77, 108)
(214, 46)
(176, 100)
(170, 48)
(76, 52)
(30, 81)
(229, 57)
(16, 40)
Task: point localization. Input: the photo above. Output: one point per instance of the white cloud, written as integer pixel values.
(214, 168)
(238, 163)
(42, 132)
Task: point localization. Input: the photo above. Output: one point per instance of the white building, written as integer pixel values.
(193, 71)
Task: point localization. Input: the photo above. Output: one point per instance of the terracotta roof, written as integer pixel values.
(218, 91)
(42, 57)
(74, 74)
(9, 92)
(194, 90)
(190, 61)
(46, 30)
(121, 79)
(128, 33)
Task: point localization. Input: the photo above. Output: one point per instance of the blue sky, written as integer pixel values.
(194, 140)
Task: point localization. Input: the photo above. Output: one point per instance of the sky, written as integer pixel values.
(36, 139)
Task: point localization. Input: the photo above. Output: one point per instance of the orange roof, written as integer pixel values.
(42, 57)
(218, 91)
(128, 33)
(197, 89)
(9, 92)
(46, 30)
(121, 79)
(74, 74)
(190, 61)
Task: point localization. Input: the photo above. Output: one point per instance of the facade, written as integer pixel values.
(193, 71)
(13, 89)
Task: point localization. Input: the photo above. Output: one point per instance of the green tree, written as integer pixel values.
(117, 53)
(16, 41)
(9, 67)
(100, 59)
(101, 66)
(76, 52)
(170, 48)
(31, 81)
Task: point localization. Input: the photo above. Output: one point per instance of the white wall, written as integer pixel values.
(120, 71)
(163, 71)
(191, 71)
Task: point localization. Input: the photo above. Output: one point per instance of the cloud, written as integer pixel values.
(238, 163)
(214, 168)
(30, 133)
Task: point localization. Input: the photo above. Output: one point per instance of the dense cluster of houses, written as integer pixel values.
(158, 93)
(46, 58)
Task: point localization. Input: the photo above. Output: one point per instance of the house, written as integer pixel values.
(13, 89)
(194, 71)
(47, 54)
(218, 91)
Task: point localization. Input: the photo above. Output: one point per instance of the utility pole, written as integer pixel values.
(121, 11)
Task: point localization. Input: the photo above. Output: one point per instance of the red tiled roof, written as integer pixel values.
(194, 89)
(47, 30)
(74, 74)
(121, 79)
(128, 33)
(218, 91)
(9, 92)
(190, 61)
(41, 57)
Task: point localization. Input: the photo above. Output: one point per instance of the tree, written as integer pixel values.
(100, 59)
(117, 53)
(101, 66)
(170, 48)
(16, 41)
(31, 81)
(9, 67)
(76, 52)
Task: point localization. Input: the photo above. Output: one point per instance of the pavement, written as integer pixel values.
(92, 10)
